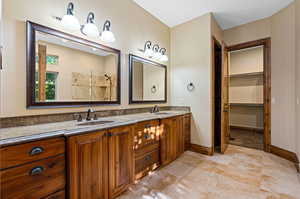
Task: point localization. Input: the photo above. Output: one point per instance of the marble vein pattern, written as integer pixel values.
(241, 173)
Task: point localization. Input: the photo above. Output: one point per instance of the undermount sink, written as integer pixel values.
(161, 113)
(95, 122)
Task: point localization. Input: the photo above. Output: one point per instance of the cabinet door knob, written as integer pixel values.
(148, 157)
(146, 136)
(36, 151)
(36, 171)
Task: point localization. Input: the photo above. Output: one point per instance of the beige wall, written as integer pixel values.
(191, 62)
(281, 29)
(131, 25)
(297, 75)
(216, 30)
(153, 76)
(248, 32)
(283, 78)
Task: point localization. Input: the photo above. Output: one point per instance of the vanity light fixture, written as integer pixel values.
(157, 55)
(148, 52)
(107, 35)
(90, 29)
(164, 57)
(155, 52)
(69, 21)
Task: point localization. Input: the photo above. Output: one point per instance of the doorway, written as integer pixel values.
(250, 94)
(217, 94)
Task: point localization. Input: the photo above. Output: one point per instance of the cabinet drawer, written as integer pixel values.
(58, 195)
(146, 163)
(147, 149)
(146, 133)
(35, 180)
(25, 153)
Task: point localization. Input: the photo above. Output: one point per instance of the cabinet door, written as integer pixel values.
(166, 148)
(121, 160)
(88, 170)
(187, 131)
(178, 128)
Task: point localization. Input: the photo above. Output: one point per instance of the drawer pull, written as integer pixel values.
(36, 171)
(36, 151)
(146, 136)
(148, 157)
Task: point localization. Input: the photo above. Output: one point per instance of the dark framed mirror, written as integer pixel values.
(64, 70)
(147, 81)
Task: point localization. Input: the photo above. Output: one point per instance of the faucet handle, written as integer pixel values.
(78, 117)
(95, 117)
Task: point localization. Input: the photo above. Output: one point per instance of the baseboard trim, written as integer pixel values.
(202, 149)
(288, 155)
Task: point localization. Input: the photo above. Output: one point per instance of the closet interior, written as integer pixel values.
(246, 97)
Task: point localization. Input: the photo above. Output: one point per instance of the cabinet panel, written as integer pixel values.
(34, 180)
(88, 172)
(166, 148)
(29, 152)
(57, 195)
(146, 163)
(120, 160)
(187, 131)
(146, 133)
(172, 139)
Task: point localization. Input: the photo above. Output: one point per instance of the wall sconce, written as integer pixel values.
(107, 35)
(155, 52)
(164, 57)
(69, 21)
(90, 29)
(148, 50)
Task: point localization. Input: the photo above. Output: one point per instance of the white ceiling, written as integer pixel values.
(228, 13)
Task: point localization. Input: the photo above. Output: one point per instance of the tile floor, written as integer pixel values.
(247, 138)
(241, 173)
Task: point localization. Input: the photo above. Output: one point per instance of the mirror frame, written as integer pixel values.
(141, 59)
(30, 71)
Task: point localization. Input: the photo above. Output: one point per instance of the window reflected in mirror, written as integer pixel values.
(68, 71)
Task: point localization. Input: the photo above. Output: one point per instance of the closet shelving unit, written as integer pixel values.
(246, 88)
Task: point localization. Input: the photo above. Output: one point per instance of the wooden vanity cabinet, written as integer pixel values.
(121, 162)
(101, 163)
(146, 147)
(172, 139)
(88, 166)
(33, 170)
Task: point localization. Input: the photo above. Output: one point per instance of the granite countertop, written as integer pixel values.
(17, 135)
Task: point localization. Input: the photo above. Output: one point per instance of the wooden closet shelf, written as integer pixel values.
(247, 104)
(246, 75)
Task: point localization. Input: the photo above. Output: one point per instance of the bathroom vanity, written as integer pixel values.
(85, 163)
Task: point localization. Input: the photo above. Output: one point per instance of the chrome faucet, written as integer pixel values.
(88, 115)
(155, 109)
